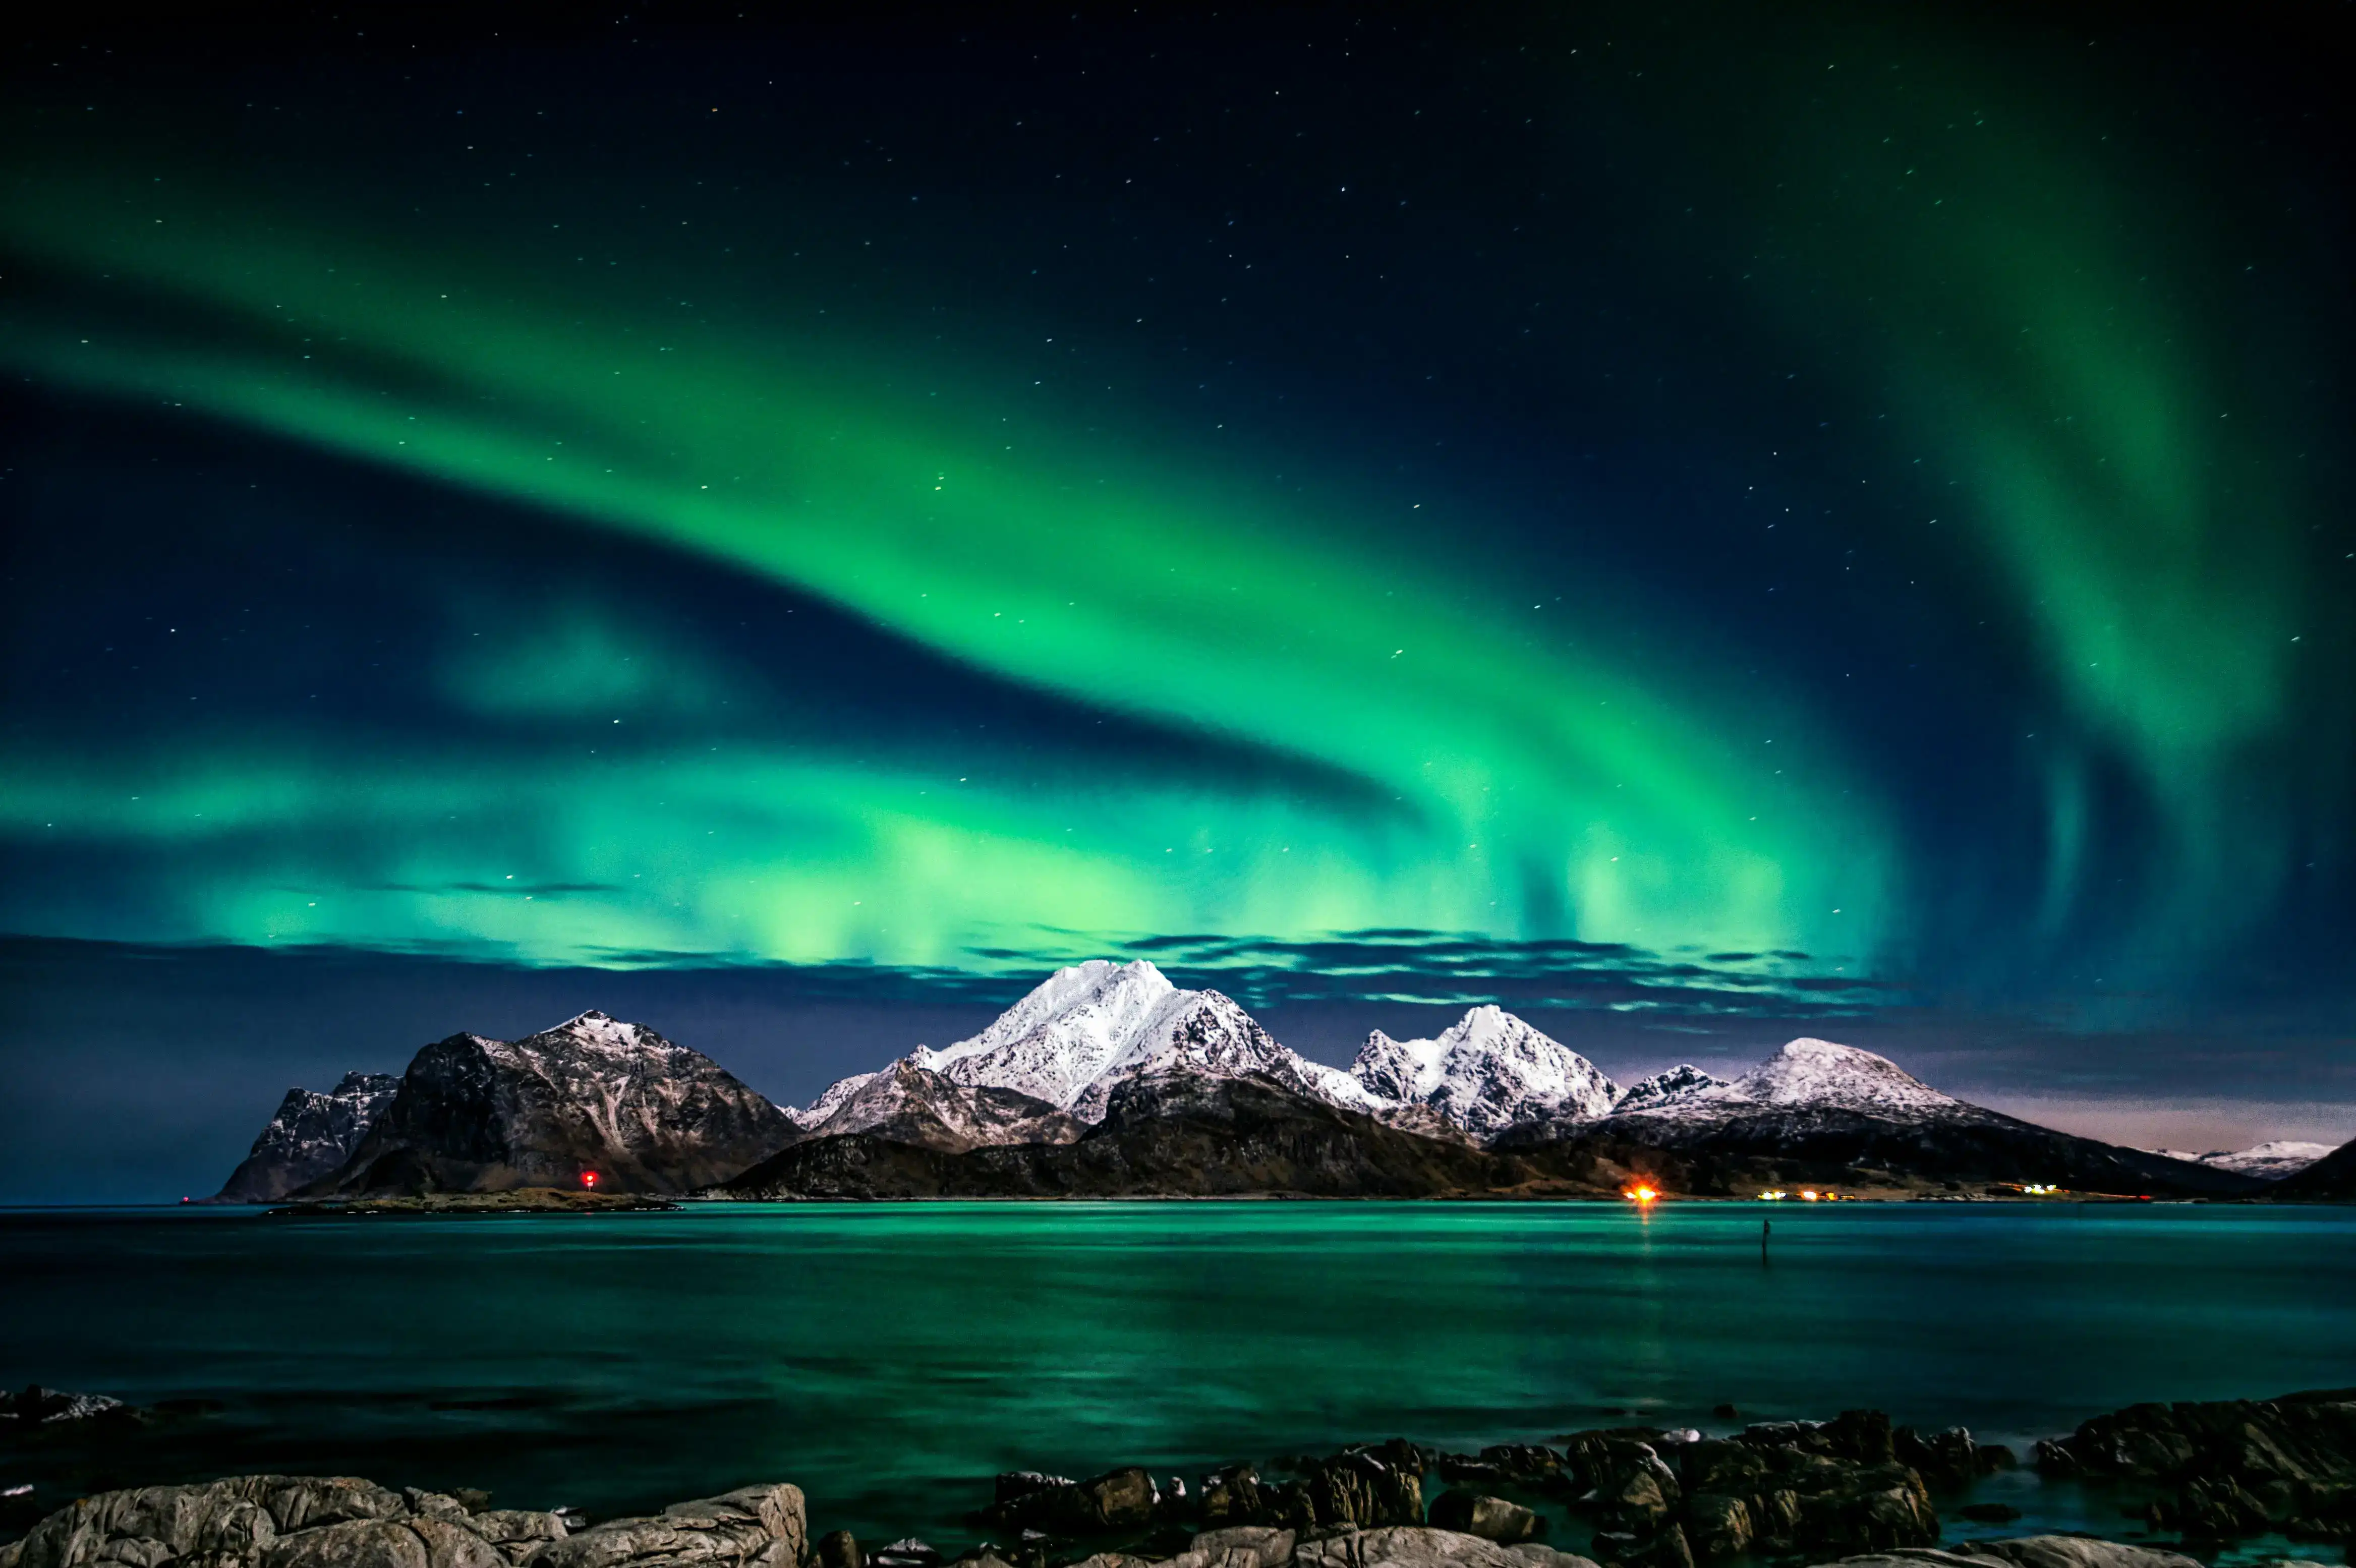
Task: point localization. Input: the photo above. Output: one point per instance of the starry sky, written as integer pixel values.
(1697, 525)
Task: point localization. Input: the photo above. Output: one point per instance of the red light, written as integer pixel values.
(588, 1179)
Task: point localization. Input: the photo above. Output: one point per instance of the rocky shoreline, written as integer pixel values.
(1854, 1490)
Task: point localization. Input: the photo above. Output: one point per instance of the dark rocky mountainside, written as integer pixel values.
(2332, 1179)
(912, 1105)
(311, 1137)
(1781, 1146)
(1181, 1134)
(487, 1116)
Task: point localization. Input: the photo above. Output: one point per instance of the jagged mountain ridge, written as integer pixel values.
(309, 1137)
(1086, 1029)
(476, 1114)
(1079, 1034)
(1484, 1072)
(912, 1105)
(1670, 1084)
(1184, 1133)
(1822, 1111)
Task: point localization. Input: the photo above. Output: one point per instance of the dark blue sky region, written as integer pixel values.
(1695, 525)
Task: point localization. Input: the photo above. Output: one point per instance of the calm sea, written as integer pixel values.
(890, 1359)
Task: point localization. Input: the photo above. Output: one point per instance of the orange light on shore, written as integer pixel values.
(589, 1178)
(1639, 1193)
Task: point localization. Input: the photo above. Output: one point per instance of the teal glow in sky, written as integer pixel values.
(1899, 547)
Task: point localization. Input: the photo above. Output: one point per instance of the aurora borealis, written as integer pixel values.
(1690, 515)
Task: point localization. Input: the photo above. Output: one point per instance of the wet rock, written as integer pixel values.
(2028, 1551)
(839, 1549)
(1628, 1486)
(1528, 1464)
(2237, 1466)
(1872, 1509)
(2054, 1460)
(1863, 1435)
(1718, 1525)
(1362, 1489)
(753, 1526)
(1414, 1546)
(1243, 1546)
(1717, 1465)
(1117, 1500)
(1233, 1497)
(1947, 1459)
(1490, 1519)
(906, 1552)
(517, 1532)
(1011, 1485)
(1664, 1548)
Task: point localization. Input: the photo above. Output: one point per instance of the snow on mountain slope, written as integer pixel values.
(1816, 1075)
(915, 1104)
(2267, 1161)
(311, 1136)
(1672, 1083)
(1485, 1071)
(1085, 1028)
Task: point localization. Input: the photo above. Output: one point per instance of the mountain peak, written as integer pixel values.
(1819, 1072)
(1485, 1071)
(1678, 1083)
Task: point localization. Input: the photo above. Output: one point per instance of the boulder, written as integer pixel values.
(1242, 1546)
(1117, 1500)
(1360, 1488)
(1490, 1519)
(2028, 1551)
(1416, 1546)
(1629, 1488)
(2236, 1466)
(1718, 1525)
(1233, 1497)
(753, 1526)
(839, 1549)
(1948, 1460)
(280, 1521)
(517, 1532)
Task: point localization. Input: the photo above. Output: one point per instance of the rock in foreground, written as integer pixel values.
(2027, 1551)
(308, 1521)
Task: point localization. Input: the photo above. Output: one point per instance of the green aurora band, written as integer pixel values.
(1508, 766)
(1992, 286)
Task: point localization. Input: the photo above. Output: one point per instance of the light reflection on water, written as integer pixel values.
(890, 1359)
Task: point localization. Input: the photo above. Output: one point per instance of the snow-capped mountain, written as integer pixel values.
(1814, 1075)
(1088, 1027)
(913, 1105)
(1671, 1084)
(311, 1135)
(594, 1093)
(1484, 1072)
(2267, 1161)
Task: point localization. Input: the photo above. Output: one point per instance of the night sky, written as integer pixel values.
(1697, 525)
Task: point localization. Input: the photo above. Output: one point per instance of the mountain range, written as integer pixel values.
(1107, 1080)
